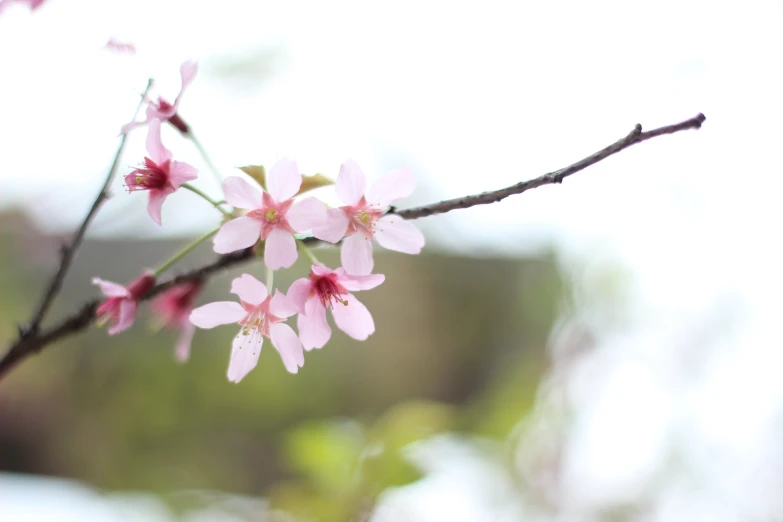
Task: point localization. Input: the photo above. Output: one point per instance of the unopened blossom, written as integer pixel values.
(120, 307)
(330, 289)
(173, 308)
(158, 174)
(259, 315)
(362, 219)
(273, 216)
(163, 110)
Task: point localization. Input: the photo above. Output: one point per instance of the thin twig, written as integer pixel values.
(68, 252)
(35, 341)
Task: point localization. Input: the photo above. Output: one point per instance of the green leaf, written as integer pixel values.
(257, 172)
(313, 182)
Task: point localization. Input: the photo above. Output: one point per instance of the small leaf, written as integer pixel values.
(313, 182)
(257, 172)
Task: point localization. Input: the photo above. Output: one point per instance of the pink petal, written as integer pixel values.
(279, 250)
(249, 289)
(110, 289)
(356, 255)
(245, 350)
(287, 343)
(281, 306)
(306, 214)
(240, 193)
(353, 318)
(158, 153)
(351, 183)
(182, 348)
(237, 234)
(180, 172)
(284, 180)
(188, 72)
(322, 270)
(314, 331)
(335, 227)
(397, 184)
(395, 233)
(214, 314)
(127, 315)
(155, 205)
(298, 292)
(363, 282)
(132, 125)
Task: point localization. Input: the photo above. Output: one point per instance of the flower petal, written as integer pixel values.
(249, 289)
(237, 234)
(314, 331)
(240, 193)
(353, 283)
(110, 289)
(131, 125)
(188, 72)
(182, 348)
(245, 350)
(155, 205)
(214, 314)
(335, 227)
(306, 214)
(397, 184)
(281, 306)
(287, 343)
(158, 153)
(353, 318)
(284, 180)
(127, 315)
(280, 250)
(351, 183)
(180, 172)
(395, 233)
(356, 255)
(298, 292)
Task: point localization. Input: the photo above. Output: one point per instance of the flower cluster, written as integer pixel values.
(272, 216)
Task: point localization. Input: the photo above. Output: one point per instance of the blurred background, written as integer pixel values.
(606, 349)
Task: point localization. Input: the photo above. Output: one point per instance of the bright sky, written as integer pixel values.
(472, 97)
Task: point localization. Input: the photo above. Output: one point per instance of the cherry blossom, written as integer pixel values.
(273, 216)
(260, 315)
(173, 308)
(326, 288)
(362, 219)
(159, 174)
(122, 302)
(165, 111)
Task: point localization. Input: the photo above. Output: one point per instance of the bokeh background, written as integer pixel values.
(605, 349)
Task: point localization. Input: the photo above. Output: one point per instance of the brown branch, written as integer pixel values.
(33, 341)
(68, 252)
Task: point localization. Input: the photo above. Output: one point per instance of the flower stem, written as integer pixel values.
(211, 201)
(309, 253)
(182, 253)
(270, 279)
(206, 157)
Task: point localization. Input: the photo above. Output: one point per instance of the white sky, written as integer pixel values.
(472, 97)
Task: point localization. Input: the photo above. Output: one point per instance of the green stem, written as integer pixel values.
(207, 198)
(270, 279)
(309, 253)
(182, 253)
(207, 159)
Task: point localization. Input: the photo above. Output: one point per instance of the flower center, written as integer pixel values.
(150, 176)
(272, 216)
(328, 290)
(163, 105)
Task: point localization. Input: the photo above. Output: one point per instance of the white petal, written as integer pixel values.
(397, 184)
(335, 227)
(284, 180)
(353, 318)
(306, 214)
(395, 233)
(240, 193)
(356, 255)
(351, 183)
(287, 343)
(245, 350)
(214, 314)
(237, 234)
(249, 289)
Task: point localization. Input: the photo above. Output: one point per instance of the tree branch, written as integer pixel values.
(34, 340)
(68, 252)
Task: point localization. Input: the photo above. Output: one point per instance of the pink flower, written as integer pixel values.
(120, 47)
(326, 288)
(362, 218)
(33, 4)
(273, 215)
(158, 174)
(173, 308)
(122, 302)
(165, 111)
(260, 315)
